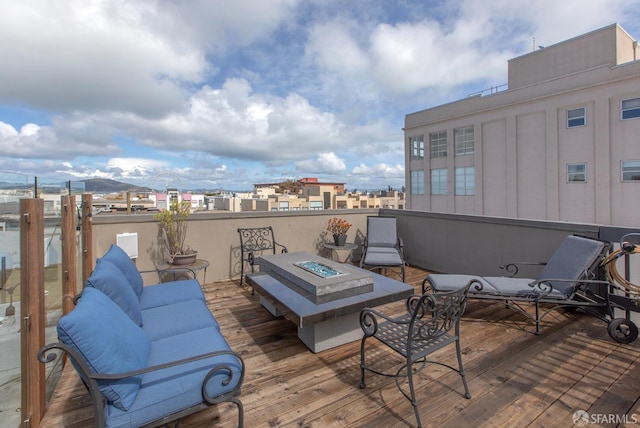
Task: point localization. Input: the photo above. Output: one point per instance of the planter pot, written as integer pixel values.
(340, 240)
(183, 259)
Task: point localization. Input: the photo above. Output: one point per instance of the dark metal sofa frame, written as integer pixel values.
(49, 353)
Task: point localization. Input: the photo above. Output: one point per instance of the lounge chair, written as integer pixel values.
(382, 247)
(568, 280)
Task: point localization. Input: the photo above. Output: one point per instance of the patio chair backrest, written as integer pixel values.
(572, 260)
(381, 232)
(257, 239)
(433, 315)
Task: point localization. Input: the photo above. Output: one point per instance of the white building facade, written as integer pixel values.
(562, 143)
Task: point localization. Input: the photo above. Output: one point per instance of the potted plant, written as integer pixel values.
(172, 227)
(338, 228)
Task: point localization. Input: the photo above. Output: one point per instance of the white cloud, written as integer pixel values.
(468, 41)
(333, 47)
(95, 56)
(134, 167)
(117, 55)
(234, 122)
(380, 170)
(326, 163)
(43, 142)
(292, 86)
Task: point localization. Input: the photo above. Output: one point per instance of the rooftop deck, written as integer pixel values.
(516, 378)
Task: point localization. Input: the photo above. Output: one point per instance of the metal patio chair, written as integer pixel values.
(432, 322)
(254, 242)
(382, 247)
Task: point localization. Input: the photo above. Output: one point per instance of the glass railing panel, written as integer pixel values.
(13, 187)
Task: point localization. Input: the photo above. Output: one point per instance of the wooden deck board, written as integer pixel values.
(516, 378)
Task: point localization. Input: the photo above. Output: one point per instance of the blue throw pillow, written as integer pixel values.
(118, 257)
(109, 342)
(107, 278)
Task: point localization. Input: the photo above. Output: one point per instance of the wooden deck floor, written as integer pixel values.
(517, 379)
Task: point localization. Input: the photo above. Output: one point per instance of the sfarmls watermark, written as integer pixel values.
(581, 418)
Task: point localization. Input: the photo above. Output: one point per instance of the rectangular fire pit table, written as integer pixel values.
(329, 315)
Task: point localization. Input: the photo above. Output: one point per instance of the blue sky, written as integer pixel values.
(227, 94)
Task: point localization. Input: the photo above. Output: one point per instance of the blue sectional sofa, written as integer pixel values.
(148, 354)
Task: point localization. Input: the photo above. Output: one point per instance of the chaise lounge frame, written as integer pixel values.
(568, 280)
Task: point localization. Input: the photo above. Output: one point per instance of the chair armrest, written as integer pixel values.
(283, 248)
(369, 318)
(545, 284)
(513, 267)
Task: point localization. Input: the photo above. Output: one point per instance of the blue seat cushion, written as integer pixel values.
(180, 317)
(177, 388)
(107, 278)
(118, 257)
(167, 293)
(116, 346)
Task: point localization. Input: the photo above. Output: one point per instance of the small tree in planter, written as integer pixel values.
(172, 227)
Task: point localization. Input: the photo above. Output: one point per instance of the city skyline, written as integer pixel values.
(228, 95)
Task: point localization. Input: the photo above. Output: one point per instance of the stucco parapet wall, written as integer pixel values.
(218, 215)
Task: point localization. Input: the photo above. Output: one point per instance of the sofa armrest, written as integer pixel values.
(46, 356)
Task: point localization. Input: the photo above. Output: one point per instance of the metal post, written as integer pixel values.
(87, 238)
(3, 278)
(69, 270)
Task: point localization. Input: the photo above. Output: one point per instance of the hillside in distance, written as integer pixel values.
(106, 185)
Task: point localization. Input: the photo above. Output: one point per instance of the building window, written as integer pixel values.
(466, 181)
(577, 173)
(438, 144)
(417, 182)
(315, 205)
(630, 108)
(576, 117)
(438, 181)
(631, 170)
(417, 147)
(464, 140)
